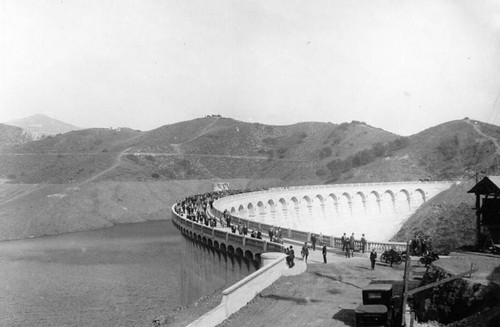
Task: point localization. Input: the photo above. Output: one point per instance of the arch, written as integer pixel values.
(230, 249)
(387, 203)
(262, 208)
(241, 211)
(344, 206)
(333, 197)
(358, 205)
(320, 198)
(233, 211)
(283, 204)
(391, 193)
(223, 247)
(417, 199)
(422, 193)
(373, 204)
(295, 202)
(210, 243)
(331, 205)
(239, 252)
(307, 200)
(347, 195)
(249, 254)
(403, 201)
(271, 205)
(251, 211)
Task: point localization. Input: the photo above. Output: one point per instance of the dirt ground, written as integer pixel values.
(325, 295)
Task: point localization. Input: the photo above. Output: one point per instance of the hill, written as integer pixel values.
(210, 147)
(41, 125)
(12, 135)
(161, 162)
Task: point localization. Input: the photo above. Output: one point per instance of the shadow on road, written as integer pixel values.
(297, 300)
(338, 279)
(346, 316)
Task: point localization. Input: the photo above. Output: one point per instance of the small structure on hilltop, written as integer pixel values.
(488, 211)
(220, 186)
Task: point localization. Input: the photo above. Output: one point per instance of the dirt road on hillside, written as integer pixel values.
(492, 139)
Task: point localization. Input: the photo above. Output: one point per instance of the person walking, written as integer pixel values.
(351, 245)
(313, 241)
(344, 242)
(324, 253)
(363, 243)
(373, 257)
(305, 252)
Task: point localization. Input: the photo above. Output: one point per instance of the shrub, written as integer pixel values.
(132, 157)
(150, 158)
(325, 153)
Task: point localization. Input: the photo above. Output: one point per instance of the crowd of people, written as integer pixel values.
(195, 208)
(420, 244)
(348, 245)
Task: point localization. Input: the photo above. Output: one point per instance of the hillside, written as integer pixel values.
(97, 177)
(41, 125)
(449, 219)
(12, 135)
(450, 151)
(210, 147)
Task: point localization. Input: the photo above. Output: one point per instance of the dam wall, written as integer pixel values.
(375, 209)
(214, 259)
(205, 269)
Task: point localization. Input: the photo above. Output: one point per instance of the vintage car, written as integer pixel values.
(378, 307)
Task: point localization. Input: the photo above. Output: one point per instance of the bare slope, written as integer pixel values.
(216, 148)
(12, 135)
(28, 210)
(211, 147)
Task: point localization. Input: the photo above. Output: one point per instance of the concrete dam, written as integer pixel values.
(374, 209)
(213, 258)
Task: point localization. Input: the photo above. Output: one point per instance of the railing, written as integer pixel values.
(248, 243)
(302, 236)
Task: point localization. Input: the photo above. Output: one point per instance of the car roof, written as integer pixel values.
(378, 287)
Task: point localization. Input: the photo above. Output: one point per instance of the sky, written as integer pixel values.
(399, 65)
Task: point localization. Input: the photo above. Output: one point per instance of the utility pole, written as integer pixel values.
(405, 285)
(478, 214)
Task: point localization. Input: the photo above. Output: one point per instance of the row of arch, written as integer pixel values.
(343, 203)
(221, 247)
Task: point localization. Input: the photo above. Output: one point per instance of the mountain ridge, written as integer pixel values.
(40, 125)
(210, 149)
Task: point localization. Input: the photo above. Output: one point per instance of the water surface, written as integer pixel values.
(119, 276)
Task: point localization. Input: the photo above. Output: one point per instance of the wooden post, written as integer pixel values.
(439, 282)
(405, 285)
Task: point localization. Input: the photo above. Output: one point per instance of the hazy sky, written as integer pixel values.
(399, 65)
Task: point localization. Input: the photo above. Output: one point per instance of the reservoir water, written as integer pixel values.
(119, 276)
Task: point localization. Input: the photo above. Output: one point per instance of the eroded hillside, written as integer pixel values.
(97, 177)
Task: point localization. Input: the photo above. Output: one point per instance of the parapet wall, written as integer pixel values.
(214, 259)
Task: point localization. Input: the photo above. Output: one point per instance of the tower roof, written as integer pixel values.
(489, 185)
